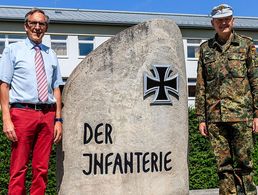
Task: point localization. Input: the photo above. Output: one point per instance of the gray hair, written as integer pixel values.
(34, 10)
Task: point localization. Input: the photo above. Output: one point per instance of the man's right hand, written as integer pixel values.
(203, 129)
(9, 131)
(8, 126)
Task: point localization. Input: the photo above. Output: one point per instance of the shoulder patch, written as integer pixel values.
(246, 37)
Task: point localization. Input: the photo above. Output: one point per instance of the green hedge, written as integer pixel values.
(202, 171)
(5, 147)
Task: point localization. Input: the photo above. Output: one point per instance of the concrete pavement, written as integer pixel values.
(205, 192)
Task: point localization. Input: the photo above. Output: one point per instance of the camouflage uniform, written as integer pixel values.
(227, 100)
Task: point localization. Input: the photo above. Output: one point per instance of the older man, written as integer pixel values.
(227, 101)
(31, 104)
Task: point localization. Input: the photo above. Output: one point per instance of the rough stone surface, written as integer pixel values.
(107, 87)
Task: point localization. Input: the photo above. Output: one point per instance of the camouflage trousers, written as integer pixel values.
(232, 145)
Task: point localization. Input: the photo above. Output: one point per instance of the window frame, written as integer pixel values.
(65, 41)
(256, 44)
(85, 42)
(191, 82)
(193, 45)
(7, 40)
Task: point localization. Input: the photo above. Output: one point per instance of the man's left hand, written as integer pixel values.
(255, 125)
(58, 129)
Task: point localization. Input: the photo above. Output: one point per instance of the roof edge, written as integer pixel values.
(117, 11)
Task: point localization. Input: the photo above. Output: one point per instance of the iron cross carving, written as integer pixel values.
(162, 84)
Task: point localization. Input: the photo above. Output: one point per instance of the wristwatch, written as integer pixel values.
(59, 120)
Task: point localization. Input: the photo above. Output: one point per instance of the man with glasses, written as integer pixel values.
(227, 101)
(31, 104)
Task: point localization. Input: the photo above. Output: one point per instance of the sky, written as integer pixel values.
(246, 8)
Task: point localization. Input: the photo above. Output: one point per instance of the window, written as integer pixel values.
(2, 46)
(256, 45)
(59, 44)
(12, 38)
(193, 48)
(191, 91)
(191, 88)
(6, 39)
(2, 43)
(86, 45)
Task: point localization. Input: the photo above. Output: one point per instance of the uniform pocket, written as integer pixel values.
(237, 65)
(210, 68)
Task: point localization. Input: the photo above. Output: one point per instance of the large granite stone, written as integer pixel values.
(140, 144)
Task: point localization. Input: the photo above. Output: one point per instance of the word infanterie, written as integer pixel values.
(122, 163)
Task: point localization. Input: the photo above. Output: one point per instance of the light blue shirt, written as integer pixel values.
(17, 68)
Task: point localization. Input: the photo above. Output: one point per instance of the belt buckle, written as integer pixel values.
(37, 107)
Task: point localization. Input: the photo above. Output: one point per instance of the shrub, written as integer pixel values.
(202, 170)
(5, 150)
(202, 167)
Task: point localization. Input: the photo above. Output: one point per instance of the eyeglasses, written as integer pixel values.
(34, 24)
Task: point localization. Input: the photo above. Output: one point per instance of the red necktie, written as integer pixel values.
(41, 76)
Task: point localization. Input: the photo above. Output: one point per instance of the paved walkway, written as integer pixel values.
(208, 192)
(205, 192)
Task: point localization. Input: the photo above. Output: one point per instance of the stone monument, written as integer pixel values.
(125, 116)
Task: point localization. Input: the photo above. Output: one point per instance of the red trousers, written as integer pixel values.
(35, 133)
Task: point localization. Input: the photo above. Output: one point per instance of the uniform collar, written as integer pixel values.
(233, 40)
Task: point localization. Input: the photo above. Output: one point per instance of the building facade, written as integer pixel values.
(73, 33)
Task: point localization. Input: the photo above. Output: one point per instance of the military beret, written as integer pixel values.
(221, 11)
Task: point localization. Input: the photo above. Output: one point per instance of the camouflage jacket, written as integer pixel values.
(227, 81)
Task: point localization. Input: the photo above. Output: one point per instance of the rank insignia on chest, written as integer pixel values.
(253, 49)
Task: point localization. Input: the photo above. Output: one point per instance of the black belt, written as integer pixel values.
(34, 106)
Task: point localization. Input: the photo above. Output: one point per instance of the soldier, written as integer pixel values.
(227, 101)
